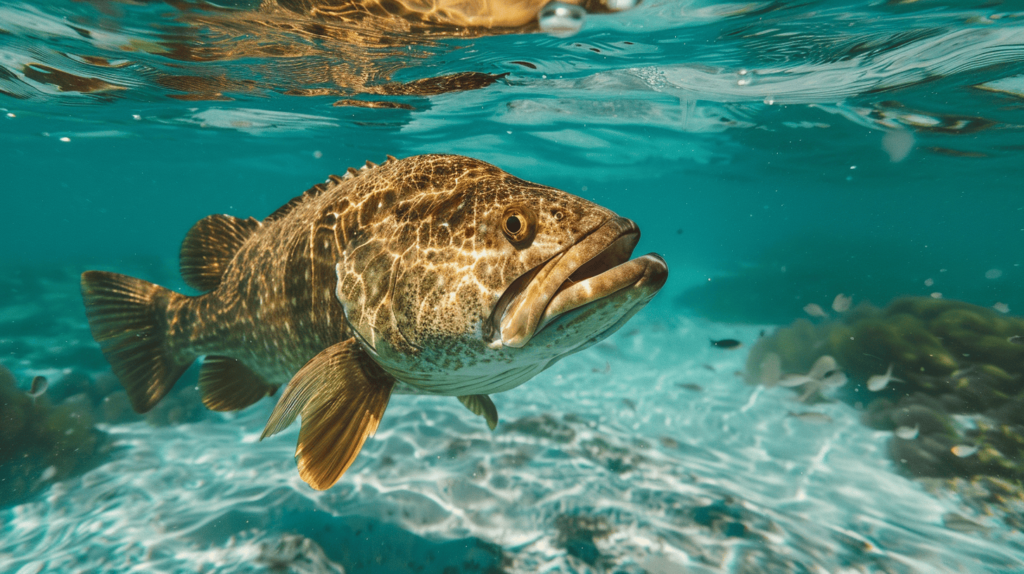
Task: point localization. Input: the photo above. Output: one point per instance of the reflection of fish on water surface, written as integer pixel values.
(299, 47)
(434, 275)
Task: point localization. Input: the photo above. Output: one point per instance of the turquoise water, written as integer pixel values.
(776, 154)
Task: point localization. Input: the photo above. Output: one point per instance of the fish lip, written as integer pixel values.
(595, 267)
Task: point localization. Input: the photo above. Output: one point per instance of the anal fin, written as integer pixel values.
(228, 385)
(482, 405)
(341, 394)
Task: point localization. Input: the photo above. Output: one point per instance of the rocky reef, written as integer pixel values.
(42, 441)
(946, 377)
(53, 436)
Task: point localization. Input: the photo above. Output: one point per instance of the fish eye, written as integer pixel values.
(518, 224)
(513, 224)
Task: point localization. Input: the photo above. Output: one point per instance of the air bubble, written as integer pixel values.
(620, 5)
(746, 78)
(769, 101)
(560, 19)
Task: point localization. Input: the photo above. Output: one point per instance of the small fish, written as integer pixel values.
(835, 379)
(815, 310)
(811, 417)
(963, 450)
(690, 387)
(630, 404)
(823, 366)
(39, 386)
(841, 303)
(709, 367)
(795, 380)
(879, 382)
(726, 343)
(908, 433)
(50, 472)
(435, 274)
(1016, 340)
(761, 334)
(954, 521)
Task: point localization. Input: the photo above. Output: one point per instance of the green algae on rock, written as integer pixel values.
(42, 442)
(962, 384)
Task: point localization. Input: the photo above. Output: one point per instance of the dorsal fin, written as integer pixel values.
(209, 246)
(288, 207)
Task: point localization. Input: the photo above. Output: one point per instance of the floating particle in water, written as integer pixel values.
(768, 100)
(136, 117)
(690, 387)
(65, 139)
(898, 144)
(908, 433)
(11, 115)
(1001, 307)
(841, 303)
(963, 450)
(1016, 340)
(879, 382)
(993, 274)
(631, 405)
(814, 310)
(318, 154)
(936, 295)
(929, 282)
(745, 77)
(560, 19)
(709, 367)
(726, 343)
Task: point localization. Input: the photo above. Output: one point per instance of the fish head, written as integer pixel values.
(487, 279)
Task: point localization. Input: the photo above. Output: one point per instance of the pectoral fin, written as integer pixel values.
(341, 394)
(483, 406)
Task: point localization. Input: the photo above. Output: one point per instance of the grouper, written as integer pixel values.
(434, 274)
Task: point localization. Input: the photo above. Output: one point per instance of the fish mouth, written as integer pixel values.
(592, 269)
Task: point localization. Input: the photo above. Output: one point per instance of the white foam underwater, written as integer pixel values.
(602, 463)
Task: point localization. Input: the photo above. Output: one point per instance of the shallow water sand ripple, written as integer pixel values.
(574, 479)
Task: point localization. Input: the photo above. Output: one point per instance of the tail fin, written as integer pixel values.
(128, 318)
